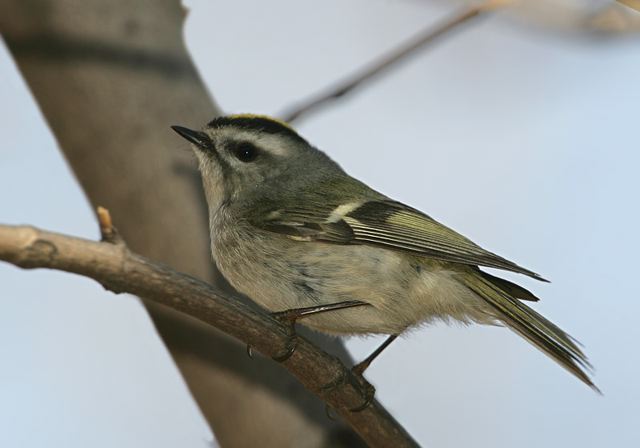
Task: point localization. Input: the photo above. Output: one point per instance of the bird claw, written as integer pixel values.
(330, 415)
(340, 380)
(292, 338)
(367, 389)
(369, 394)
(292, 343)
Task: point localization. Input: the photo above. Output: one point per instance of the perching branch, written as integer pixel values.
(118, 269)
(360, 77)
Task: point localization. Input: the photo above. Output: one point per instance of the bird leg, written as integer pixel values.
(359, 368)
(289, 317)
(358, 371)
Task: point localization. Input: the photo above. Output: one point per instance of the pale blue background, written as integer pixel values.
(524, 140)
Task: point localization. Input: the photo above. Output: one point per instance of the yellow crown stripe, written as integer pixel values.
(262, 117)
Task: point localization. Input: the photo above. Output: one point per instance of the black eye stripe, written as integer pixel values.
(245, 151)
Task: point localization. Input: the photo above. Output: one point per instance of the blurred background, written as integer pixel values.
(518, 130)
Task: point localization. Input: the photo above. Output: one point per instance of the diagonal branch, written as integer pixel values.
(118, 269)
(360, 77)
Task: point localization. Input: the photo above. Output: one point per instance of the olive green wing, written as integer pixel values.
(387, 224)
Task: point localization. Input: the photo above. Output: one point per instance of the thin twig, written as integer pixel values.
(360, 77)
(108, 232)
(633, 4)
(120, 270)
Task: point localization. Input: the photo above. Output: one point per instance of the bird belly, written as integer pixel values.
(400, 291)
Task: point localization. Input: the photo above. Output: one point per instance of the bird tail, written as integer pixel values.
(536, 329)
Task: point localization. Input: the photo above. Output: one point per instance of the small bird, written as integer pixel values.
(303, 239)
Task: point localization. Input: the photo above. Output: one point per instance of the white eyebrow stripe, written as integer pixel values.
(340, 211)
(271, 143)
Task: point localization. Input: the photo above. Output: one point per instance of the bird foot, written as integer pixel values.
(367, 390)
(288, 318)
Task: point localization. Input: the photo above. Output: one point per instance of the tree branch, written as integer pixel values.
(118, 269)
(360, 77)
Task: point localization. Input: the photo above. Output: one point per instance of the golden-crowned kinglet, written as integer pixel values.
(293, 231)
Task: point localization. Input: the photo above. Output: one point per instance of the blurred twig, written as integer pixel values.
(118, 269)
(360, 77)
(633, 4)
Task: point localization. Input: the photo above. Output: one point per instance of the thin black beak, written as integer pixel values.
(196, 137)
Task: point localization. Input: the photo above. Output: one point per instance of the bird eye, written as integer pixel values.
(245, 152)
